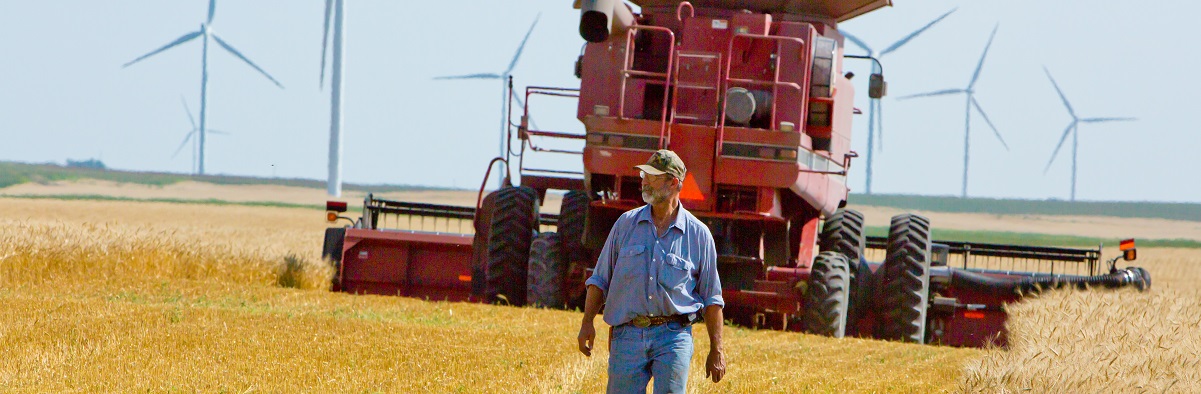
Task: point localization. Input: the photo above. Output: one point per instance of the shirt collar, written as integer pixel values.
(645, 215)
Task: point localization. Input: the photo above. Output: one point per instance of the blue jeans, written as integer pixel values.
(663, 351)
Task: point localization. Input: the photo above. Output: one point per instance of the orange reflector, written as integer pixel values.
(464, 278)
(1126, 244)
(691, 190)
(331, 216)
(973, 315)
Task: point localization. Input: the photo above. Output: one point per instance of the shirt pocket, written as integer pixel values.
(630, 261)
(676, 272)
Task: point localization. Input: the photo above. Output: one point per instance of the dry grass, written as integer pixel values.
(1101, 342)
(120, 296)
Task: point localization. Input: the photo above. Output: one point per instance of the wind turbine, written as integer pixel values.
(334, 10)
(504, 92)
(188, 137)
(971, 102)
(1073, 130)
(206, 31)
(875, 113)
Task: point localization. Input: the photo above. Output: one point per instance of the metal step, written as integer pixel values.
(773, 286)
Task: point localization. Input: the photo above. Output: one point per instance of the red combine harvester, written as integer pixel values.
(752, 95)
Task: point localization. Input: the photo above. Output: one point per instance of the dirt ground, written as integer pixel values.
(1088, 226)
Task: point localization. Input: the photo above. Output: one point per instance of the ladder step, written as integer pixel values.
(694, 86)
(773, 286)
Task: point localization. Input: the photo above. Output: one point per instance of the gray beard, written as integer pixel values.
(655, 196)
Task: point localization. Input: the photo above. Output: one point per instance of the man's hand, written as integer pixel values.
(592, 305)
(715, 365)
(587, 337)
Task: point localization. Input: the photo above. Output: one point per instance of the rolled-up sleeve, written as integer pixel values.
(708, 284)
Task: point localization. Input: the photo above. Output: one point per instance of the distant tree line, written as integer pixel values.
(89, 163)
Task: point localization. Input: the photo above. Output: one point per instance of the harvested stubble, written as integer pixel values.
(123, 296)
(126, 296)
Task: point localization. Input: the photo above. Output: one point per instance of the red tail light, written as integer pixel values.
(336, 206)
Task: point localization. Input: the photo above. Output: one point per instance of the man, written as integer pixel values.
(656, 273)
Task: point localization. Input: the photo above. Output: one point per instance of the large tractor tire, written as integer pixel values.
(905, 280)
(514, 222)
(571, 225)
(843, 233)
(827, 295)
(479, 245)
(547, 271)
(331, 250)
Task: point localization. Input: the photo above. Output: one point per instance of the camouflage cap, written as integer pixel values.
(664, 162)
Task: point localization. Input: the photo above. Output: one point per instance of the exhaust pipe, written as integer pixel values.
(1130, 276)
(600, 19)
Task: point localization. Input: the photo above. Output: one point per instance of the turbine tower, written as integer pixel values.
(1072, 129)
(334, 10)
(504, 90)
(188, 137)
(970, 92)
(875, 112)
(206, 31)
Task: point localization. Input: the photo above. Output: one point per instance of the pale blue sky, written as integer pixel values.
(63, 93)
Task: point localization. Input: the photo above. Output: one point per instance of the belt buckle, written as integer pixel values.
(641, 322)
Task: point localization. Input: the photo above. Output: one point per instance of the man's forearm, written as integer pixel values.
(593, 302)
(713, 324)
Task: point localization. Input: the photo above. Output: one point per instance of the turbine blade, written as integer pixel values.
(212, 10)
(182, 39)
(986, 120)
(1061, 140)
(517, 55)
(188, 110)
(325, 41)
(934, 93)
(1100, 120)
(240, 56)
(472, 76)
(217, 132)
(980, 65)
(857, 42)
(184, 143)
(1061, 96)
(915, 33)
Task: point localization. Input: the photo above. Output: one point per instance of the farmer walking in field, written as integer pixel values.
(656, 274)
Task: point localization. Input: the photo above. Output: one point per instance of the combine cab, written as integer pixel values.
(752, 95)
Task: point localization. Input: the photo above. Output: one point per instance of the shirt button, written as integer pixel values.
(652, 278)
(650, 297)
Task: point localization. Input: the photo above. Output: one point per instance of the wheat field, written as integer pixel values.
(134, 296)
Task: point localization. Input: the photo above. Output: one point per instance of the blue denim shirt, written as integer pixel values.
(648, 274)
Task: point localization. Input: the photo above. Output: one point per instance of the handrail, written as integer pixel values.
(775, 83)
(524, 133)
(627, 70)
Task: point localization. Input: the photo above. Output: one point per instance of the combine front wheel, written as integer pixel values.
(514, 220)
(546, 271)
(827, 297)
(905, 282)
(571, 224)
(843, 233)
(331, 250)
(479, 245)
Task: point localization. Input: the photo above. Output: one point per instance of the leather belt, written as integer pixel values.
(650, 321)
